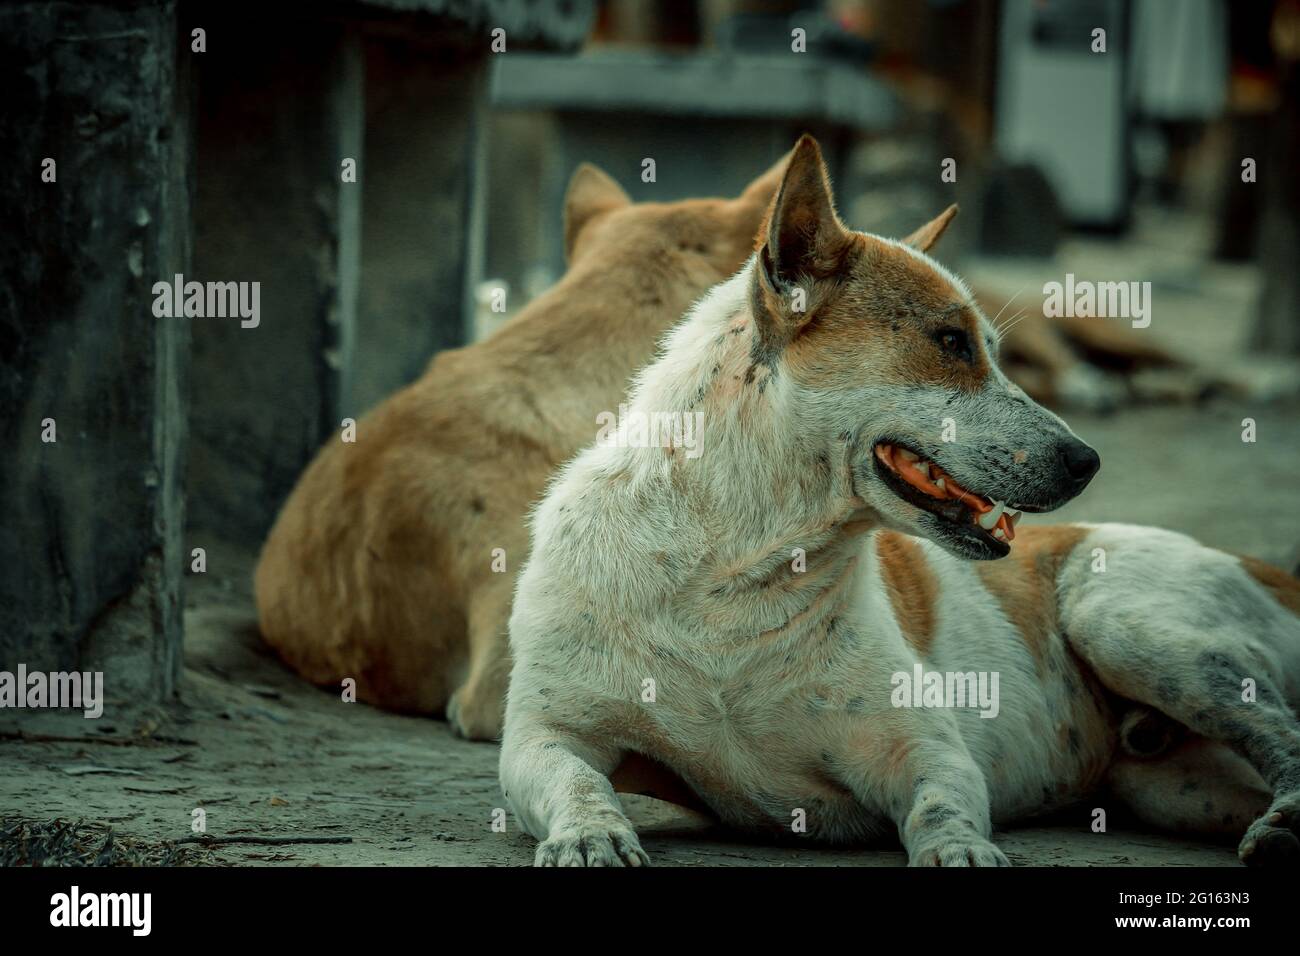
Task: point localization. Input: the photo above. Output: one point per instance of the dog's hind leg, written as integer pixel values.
(1187, 631)
(1198, 786)
(476, 709)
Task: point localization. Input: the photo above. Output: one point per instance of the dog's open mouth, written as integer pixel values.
(926, 485)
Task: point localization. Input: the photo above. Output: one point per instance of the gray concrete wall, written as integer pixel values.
(362, 282)
(422, 210)
(90, 544)
(275, 121)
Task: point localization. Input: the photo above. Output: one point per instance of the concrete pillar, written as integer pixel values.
(91, 544)
(279, 111)
(422, 218)
(1277, 325)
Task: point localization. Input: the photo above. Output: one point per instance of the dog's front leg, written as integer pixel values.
(947, 820)
(558, 787)
(932, 789)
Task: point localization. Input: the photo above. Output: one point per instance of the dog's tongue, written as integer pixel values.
(928, 477)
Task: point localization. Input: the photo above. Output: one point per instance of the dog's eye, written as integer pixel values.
(954, 342)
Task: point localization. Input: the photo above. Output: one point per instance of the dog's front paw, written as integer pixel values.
(1274, 839)
(592, 846)
(957, 849)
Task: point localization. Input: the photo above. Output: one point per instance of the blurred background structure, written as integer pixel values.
(211, 139)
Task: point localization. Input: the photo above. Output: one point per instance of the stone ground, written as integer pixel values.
(267, 756)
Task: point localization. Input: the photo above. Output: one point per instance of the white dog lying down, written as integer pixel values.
(747, 613)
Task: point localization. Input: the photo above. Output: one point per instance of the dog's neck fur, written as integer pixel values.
(768, 478)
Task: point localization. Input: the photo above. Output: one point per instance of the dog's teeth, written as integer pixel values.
(940, 485)
(1000, 535)
(908, 455)
(990, 518)
(924, 468)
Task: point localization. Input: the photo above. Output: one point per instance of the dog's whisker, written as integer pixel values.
(994, 320)
(1012, 320)
(1009, 319)
(1012, 325)
(1020, 317)
(1009, 324)
(1009, 330)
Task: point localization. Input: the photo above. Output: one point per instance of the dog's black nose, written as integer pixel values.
(1081, 461)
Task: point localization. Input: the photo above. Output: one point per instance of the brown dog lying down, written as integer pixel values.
(1090, 364)
(393, 561)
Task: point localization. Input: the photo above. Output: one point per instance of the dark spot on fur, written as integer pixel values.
(1168, 689)
(938, 815)
(816, 703)
(477, 505)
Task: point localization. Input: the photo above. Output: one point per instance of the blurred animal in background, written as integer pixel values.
(1100, 365)
(393, 561)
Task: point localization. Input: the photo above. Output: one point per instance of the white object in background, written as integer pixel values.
(488, 315)
(1061, 106)
(1179, 64)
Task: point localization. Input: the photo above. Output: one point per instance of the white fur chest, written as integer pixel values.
(753, 727)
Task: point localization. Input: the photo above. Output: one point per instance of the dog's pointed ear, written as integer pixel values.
(591, 191)
(802, 235)
(929, 234)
